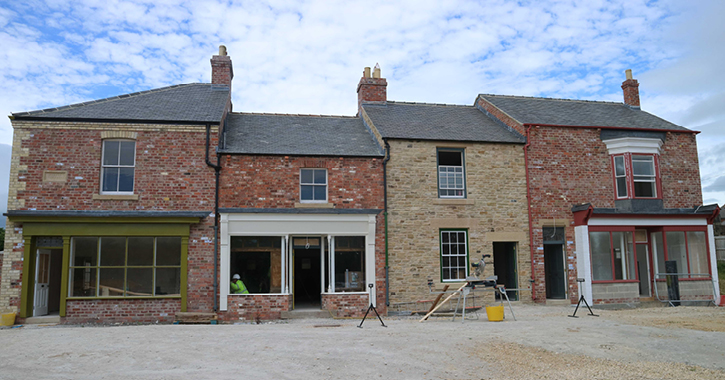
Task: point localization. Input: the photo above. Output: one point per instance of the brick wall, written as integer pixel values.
(253, 307)
(348, 305)
(121, 311)
(494, 210)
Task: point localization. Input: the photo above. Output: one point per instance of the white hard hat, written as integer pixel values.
(236, 277)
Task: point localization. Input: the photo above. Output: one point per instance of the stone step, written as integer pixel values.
(306, 314)
(43, 320)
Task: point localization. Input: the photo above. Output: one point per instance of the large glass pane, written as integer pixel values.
(623, 256)
(644, 189)
(320, 193)
(128, 151)
(85, 251)
(83, 282)
(110, 152)
(452, 158)
(350, 264)
(622, 187)
(260, 268)
(601, 249)
(320, 176)
(140, 282)
(168, 281)
(113, 251)
(110, 282)
(140, 251)
(619, 166)
(697, 250)
(643, 166)
(658, 251)
(110, 179)
(306, 192)
(168, 251)
(676, 250)
(306, 176)
(125, 179)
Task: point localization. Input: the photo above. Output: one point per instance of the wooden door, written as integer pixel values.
(42, 282)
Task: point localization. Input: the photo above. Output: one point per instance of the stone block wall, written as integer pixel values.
(255, 307)
(493, 211)
(614, 293)
(348, 305)
(689, 290)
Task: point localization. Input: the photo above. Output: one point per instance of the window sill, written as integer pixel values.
(314, 205)
(687, 279)
(454, 202)
(615, 282)
(159, 297)
(115, 197)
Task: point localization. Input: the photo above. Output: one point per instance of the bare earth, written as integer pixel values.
(659, 343)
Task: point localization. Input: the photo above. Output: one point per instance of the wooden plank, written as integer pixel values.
(438, 298)
(444, 301)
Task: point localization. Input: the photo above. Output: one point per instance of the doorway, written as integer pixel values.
(554, 262)
(307, 277)
(504, 267)
(48, 271)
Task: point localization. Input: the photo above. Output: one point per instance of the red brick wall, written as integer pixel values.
(121, 311)
(274, 181)
(255, 307)
(348, 305)
(372, 90)
(497, 113)
(680, 171)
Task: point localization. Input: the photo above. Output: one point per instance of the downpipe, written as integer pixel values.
(217, 168)
(385, 215)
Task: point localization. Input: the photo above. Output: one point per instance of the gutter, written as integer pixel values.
(217, 168)
(385, 214)
(619, 128)
(528, 203)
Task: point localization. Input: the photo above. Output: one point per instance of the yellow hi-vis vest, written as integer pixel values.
(239, 288)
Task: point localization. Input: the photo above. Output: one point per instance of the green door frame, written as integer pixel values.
(67, 227)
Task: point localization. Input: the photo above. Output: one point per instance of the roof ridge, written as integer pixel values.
(292, 114)
(428, 104)
(109, 99)
(557, 99)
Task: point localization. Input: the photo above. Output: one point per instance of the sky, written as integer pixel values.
(308, 56)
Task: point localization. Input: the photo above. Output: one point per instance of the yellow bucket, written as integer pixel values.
(8, 319)
(494, 313)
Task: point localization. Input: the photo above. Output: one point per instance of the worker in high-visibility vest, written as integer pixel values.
(237, 286)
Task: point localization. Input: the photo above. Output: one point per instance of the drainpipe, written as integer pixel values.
(385, 214)
(528, 201)
(217, 168)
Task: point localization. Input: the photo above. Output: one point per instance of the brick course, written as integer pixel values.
(348, 305)
(121, 311)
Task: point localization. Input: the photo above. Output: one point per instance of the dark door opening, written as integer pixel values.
(504, 266)
(307, 278)
(554, 271)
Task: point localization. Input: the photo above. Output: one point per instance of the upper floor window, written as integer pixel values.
(451, 174)
(118, 165)
(313, 185)
(635, 176)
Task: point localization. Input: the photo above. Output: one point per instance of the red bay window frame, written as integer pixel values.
(611, 229)
(685, 229)
(629, 175)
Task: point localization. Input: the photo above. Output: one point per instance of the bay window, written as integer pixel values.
(613, 256)
(687, 248)
(635, 176)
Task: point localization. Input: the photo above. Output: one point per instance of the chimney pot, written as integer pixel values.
(376, 71)
(628, 73)
(222, 50)
(366, 72)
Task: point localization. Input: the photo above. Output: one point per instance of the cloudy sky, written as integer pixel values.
(307, 56)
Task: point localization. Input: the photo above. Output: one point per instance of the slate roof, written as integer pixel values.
(530, 110)
(193, 102)
(302, 135)
(423, 121)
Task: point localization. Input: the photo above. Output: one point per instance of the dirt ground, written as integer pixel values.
(657, 343)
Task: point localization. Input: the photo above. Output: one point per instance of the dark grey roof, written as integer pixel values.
(583, 113)
(299, 211)
(109, 213)
(421, 121)
(194, 102)
(701, 210)
(304, 135)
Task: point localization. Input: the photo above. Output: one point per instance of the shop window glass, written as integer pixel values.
(257, 260)
(601, 249)
(350, 263)
(697, 252)
(677, 250)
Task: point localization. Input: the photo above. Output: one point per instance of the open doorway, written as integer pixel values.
(307, 277)
(48, 271)
(554, 262)
(504, 267)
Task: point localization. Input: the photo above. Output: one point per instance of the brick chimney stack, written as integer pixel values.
(372, 89)
(631, 90)
(221, 68)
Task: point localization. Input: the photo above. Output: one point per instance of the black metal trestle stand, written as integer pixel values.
(371, 307)
(581, 298)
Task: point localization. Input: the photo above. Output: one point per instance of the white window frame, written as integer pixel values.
(617, 177)
(647, 178)
(464, 254)
(119, 166)
(313, 184)
(446, 173)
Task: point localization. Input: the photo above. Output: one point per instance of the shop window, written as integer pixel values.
(258, 261)
(313, 185)
(125, 266)
(454, 255)
(613, 256)
(350, 264)
(687, 248)
(451, 174)
(118, 165)
(635, 176)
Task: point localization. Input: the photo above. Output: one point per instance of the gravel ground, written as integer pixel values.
(543, 343)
